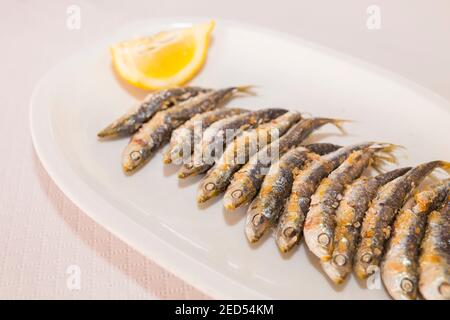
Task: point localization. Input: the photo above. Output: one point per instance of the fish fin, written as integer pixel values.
(246, 89)
(377, 164)
(339, 123)
(384, 154)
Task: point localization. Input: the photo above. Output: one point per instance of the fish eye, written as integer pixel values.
(340, 260)
(257, 219)
(366, 257)
(289, 232)
(236, 194)
(210, 186)
(323, 239)
(135, 156)
(407, 285)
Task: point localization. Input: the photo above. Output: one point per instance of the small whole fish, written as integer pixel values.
(142, 112)
(349, 217)
(434, 261)
(376, 227)
(239, 151)
(182, 141)
(218, 135)
(290, 224)
(275, 189)
(247, 181)
(400, 266)
(320, 219)
(153, 134)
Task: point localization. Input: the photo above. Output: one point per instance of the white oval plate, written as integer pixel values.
(158, 215)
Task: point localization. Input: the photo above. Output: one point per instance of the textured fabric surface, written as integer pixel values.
(42, 234)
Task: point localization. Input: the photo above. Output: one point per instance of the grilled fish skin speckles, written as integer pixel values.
(154, 102)
(434, 261)
(290, 224)
(349, 217)
(376, 227)
(276, 187)
(320, 219)
(399, 270)
(247, 181)
(183, 138)
(218, 135)
(239, 151)
(153, 134)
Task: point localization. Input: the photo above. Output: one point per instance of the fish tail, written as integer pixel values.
(248, 89)
(384, 153)
(339, 123)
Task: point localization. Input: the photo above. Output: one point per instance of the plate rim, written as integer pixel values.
(197, 274)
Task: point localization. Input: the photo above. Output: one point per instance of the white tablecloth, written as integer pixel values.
(42, 234)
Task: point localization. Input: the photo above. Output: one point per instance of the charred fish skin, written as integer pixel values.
(247, 181)
(290, 224)
(183, 138)
(239, 151)
(349, 217)
(434, 261)
(275, 189)
(321, 148)
(376, 227)
(154, 102)
(157, 131)
(399, 270)
(220, 134)
(320, 219)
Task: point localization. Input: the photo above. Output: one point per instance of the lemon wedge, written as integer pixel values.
(167, 59)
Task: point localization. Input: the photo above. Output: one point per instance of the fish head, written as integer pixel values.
(190, 169)
(288, 234)
(337, 267)
(317, 237)
(237, 195)
(208, 189)
(433, 284)
(366, 264)
(256, 223)
(400, 284)
(133, 157)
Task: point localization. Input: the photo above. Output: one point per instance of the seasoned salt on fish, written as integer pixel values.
(276, 187)
(290, 224)
(434, 261)
(146, 109)
(239, 151)
(153, 134)
(349, 217)
(376, 226)
(216, 137)
(400, 266)
(183, 138)
(247, 181)
(320, 219)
